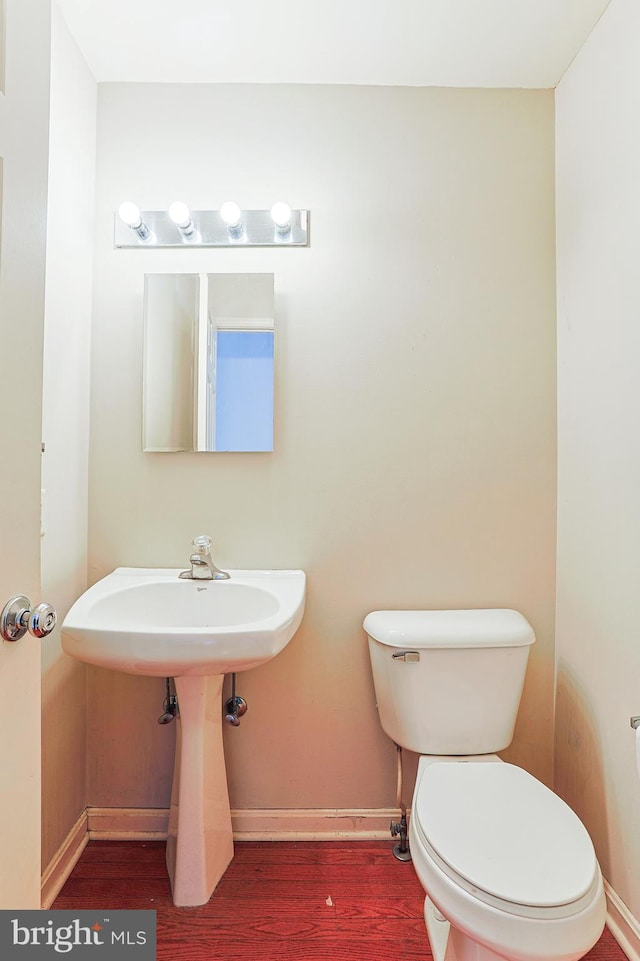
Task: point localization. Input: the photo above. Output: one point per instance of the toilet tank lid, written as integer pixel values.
(496, 627)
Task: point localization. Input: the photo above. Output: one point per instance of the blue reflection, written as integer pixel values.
(244, 390)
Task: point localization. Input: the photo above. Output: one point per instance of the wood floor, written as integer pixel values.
(278, 901)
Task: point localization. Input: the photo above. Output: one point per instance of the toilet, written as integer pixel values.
(508, 868)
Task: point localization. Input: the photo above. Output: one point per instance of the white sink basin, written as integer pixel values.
(148, 621)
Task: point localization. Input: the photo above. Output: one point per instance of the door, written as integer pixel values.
(24, 122)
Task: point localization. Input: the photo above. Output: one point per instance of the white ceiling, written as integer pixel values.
(457, 43)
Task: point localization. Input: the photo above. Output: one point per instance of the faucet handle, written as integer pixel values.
(202, 543)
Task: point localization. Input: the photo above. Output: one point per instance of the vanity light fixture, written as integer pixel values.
(130, 215)
(181, 216)
(230, 226)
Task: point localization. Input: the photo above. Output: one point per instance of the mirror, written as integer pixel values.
(208, 362)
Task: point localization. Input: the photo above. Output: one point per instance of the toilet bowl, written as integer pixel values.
(509, 869)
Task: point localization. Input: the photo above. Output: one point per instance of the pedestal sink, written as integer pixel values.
(148, 621)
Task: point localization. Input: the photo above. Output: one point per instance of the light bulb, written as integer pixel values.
(129, 213)
(281, 215)
(180, 214)
(231, 214)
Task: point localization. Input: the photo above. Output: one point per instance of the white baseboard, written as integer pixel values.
(623, 925)
(257, 825)
(63, 861)
(324, 824)
(135, 824)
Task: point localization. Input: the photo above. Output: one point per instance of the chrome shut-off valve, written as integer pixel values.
(170, 709)
(399, 829)
(18, 617)
(236, 706)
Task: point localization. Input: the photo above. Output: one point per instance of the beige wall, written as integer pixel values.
(415, 405)
(598, 201)
(66, 425)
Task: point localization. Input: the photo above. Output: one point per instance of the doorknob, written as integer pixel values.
(18, 617)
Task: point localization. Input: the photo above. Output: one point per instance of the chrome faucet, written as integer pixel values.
(202, 566)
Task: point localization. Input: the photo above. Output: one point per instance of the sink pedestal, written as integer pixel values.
(200, 841)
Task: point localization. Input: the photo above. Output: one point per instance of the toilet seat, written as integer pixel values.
(502, 836)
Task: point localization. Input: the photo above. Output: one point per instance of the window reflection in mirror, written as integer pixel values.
(208, 362)
(244, 378)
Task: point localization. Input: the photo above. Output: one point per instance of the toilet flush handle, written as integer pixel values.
(409, 657)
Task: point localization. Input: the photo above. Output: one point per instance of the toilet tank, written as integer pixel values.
(449, 682)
